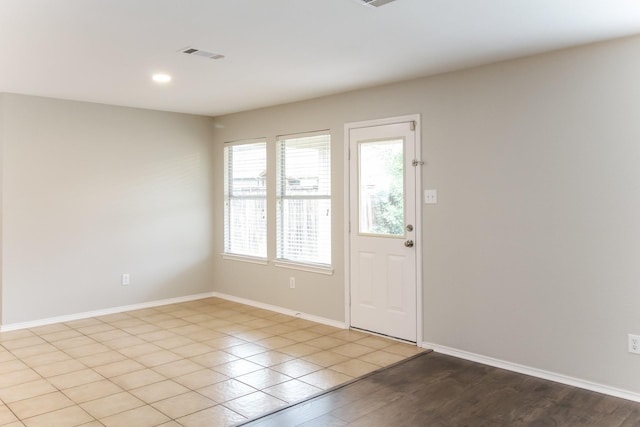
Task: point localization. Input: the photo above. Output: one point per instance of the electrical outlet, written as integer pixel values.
(126, 280)
(634, 344)
(292, 282)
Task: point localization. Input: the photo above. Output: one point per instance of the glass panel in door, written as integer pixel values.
(381, 188)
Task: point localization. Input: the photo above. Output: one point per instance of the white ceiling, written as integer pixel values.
(276, 51)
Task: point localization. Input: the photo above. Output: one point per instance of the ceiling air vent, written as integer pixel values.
(374, 3)
(199, 52)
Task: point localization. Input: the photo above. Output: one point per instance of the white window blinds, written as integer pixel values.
(304, 199)
(245, 192)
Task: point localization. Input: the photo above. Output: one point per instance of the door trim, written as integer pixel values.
(347, 215)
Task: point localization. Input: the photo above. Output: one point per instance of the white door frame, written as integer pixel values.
(418, 223)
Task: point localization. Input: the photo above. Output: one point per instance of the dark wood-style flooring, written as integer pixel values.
(437, 390)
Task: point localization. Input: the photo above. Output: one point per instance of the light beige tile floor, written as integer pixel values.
(209, 362)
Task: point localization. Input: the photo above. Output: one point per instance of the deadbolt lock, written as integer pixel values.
(409, 227)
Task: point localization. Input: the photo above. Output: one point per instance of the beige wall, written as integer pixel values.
(530, 254)
(93, 191)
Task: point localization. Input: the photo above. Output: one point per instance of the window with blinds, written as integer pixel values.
(245, 193)
(304, 199)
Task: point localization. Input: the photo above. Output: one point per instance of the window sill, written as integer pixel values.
(321, 269)
(245, 258)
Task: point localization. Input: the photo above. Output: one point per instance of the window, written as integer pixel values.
(304, 199)
(245, 204)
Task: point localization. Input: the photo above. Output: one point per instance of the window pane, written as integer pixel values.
(381, 187)
(304, 167)
(247, 169)
(305, 230)
(245, 199)
(304, 199)
(247, 227)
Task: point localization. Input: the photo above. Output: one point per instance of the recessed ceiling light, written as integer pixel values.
(161, 78)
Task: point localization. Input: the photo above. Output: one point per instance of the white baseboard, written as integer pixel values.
(151, 304)
(103, 312)
(534, 372)
(288, 312)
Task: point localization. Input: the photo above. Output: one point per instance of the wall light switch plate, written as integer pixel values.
(430, 197)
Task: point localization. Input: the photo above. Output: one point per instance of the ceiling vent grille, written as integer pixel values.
(374, 3)
(199, 52)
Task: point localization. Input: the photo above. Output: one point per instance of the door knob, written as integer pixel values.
(409, 243)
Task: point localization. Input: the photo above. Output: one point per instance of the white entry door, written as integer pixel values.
(383, 288)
